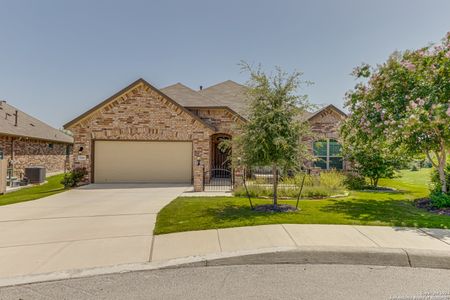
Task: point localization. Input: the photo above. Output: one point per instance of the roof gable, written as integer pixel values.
(131, 87)
(28, 126)
(328, 108)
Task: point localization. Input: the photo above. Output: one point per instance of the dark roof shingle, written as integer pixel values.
(28, 126)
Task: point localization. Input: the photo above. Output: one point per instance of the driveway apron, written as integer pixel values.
(92, 226)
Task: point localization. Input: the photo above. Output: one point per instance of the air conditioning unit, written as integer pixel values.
(35, 174)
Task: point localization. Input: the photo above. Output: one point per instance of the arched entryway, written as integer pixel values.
(220, 175)
(220, 156)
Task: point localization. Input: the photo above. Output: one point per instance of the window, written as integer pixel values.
(50, 146)
(328, 154)
(1, 153)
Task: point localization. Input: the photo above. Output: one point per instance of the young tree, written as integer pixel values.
(370, 155)
(407, 101)
(272, 134)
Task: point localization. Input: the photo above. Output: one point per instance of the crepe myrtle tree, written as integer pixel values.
(406, 100)
(272, 135)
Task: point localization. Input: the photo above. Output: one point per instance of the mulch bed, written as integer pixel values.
(380, 189)
(272, 209)
(426, 204)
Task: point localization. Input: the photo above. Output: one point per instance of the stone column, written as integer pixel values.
(199, 173)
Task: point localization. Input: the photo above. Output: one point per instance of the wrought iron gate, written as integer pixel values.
(218, 179)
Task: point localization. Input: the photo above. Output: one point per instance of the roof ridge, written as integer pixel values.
(197, 93)
(220, 83)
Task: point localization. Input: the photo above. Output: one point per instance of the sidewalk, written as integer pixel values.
(296, 236)
(281, 244)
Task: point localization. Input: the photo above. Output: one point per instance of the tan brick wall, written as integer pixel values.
(31, 152)
(140, 114)
(222, 119)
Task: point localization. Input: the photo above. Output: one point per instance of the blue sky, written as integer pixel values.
(59, 58)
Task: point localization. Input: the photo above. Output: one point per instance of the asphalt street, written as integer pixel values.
(249, 282)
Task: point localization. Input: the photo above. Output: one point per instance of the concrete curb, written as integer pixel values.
(321, 255)
(397, 257)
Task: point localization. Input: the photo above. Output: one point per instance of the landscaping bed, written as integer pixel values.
(326, 184)
(426, 204)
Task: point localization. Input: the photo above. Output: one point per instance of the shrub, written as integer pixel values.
(323, 185)
(436, 183)
(332, 179)
(427, 164)
(73, 178)
(355, 181)
(439, 199)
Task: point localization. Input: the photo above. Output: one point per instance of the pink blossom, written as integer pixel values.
(447, 54)
(413, 104)
(386, 122)
(410, 66)
(438, 48)
(420, 101)
(448, 111)
(377, 106)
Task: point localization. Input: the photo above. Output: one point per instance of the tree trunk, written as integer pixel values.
(441, 170)
(440, 166)
(275, 185)
(375, 181)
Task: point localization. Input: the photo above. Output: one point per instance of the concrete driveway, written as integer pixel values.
(92, 226)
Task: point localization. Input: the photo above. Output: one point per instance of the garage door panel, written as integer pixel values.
(135, 161)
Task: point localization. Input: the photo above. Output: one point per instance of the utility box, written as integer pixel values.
(35, 174)
(3, 172)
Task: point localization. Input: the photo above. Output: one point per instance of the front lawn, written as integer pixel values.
(52, 186)
(388, 208)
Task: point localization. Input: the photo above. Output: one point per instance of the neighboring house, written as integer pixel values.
(25, 141)
(145, 134)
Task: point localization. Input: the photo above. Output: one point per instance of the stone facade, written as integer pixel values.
(140, 114)
(22, 153)
(220, 118)
(324, 125)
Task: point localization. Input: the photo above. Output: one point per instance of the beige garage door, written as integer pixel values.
(158, 162)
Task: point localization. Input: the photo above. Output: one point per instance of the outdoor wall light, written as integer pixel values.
(198, 160)
(239, 161)
(80, 150)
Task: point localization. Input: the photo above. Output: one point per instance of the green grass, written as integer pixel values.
(394, 208)
(53, 186)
